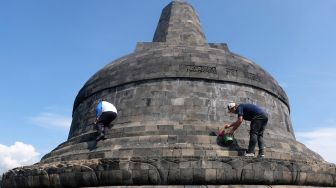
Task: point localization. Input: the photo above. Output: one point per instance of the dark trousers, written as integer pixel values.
(257, 128)
(104, 120)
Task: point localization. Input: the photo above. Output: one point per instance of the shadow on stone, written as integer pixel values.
(232, 146)
(92, 145)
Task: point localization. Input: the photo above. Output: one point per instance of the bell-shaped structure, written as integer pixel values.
(171, 94)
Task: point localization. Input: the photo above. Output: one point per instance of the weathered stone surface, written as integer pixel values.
(171, 94)
(167, 171)
(179, 24)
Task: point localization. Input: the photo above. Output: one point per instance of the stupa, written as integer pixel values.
(171, 93)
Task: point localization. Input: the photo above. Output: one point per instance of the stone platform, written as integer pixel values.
(172, 171)
(215, 186)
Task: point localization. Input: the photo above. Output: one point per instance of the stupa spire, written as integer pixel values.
(179, 24)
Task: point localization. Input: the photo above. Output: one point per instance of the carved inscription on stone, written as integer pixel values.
(234, 71)
(231, 72)
(253, 77)
(200, 69)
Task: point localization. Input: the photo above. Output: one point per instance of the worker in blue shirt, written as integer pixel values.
(258, 118)
(105, 114)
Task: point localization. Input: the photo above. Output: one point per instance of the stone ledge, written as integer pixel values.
(212, 186)
(171, 171)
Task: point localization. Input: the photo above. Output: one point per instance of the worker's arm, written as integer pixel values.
(97, 118)
(98, 112)
(235, 125)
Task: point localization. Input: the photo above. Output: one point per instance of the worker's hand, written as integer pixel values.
(221, 132)
(95, 122)
(226, 126)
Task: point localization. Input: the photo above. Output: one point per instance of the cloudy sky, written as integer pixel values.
(48, 49)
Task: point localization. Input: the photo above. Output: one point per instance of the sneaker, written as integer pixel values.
(261, 156)
(249, 155)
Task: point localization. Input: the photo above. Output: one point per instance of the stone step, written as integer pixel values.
(108, 148)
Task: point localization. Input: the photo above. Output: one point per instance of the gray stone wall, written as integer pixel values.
(158, 61)
(174, 117)
(198, 103)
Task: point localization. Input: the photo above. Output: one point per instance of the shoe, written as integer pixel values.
(249, 155)
(261, 156)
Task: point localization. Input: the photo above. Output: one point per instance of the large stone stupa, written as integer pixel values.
(171, 94)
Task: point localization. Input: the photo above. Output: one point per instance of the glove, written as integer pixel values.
(221, 133)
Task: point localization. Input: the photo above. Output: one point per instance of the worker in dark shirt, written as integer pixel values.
(258, 118)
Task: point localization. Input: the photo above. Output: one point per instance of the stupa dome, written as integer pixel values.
(171, 93)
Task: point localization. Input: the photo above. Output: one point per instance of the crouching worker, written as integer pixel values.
(258, 118)
(105, 114)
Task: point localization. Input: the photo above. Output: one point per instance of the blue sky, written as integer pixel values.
(49, 49)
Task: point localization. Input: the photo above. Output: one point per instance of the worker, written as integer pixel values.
(258, 118)
(105, 114)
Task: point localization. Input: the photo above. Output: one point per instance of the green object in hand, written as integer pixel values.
(227, 139)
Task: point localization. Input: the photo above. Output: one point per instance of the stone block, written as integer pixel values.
(227, 175)
(174, 176)
(203, 139)
(167, 152)
(185, 164)
(145, 139)
(153, 177)
(140, 177)
(196, 164)
(177, 152)
(222, 153)
(155, 139)
(125, 153)
(112, 177)
(186, 176)
(278, 177)
(177, 102)
(200, 153)
(144, 152)
(287, 177)
(185, 138)
(163, 138)
(206, 164)
(165, 127)
(210, 176)
(188, 152)
(302, 178)
(268, 177)
(210, 153)
(248, 176)
(199, 176)
(54, 179)
(172, 138)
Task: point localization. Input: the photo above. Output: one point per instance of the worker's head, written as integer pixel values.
(232, 107)
(102, 99)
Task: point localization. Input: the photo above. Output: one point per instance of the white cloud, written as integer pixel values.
(51, 120)
(322, 141)
(16, 155)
